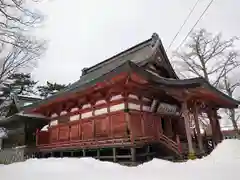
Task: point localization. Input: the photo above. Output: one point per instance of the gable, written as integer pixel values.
(149, 52)
(160, 63)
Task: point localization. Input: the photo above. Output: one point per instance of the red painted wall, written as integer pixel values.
(109, 126)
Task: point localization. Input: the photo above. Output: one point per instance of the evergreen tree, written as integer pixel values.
(16, 84)
(22, 84)
(49, 89)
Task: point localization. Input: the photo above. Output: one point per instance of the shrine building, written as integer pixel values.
(129, 108)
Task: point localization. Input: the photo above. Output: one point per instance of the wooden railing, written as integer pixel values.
(170, 143)
(98, 143)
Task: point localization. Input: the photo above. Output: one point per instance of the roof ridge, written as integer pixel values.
(153, 39)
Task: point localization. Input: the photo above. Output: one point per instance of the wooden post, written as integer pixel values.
(187, 128)
(199, 136)
(98, 153)
(57, 134)
(37, 133)
(219, 136)
(93, 128)
(108, 101)
(127, 116)
(114, 155)
(133, 155)
(69, 132)
(84, 152)
(142, 124)
(168, 127)
(148, 151)
(213, 126)
(179, 143)
(160, 126)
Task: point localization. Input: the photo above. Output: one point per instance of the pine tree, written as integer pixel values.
(16, 84)
(22, 84)
(49, 89)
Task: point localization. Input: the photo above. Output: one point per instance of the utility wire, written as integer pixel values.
(210, 3)
(185, 21)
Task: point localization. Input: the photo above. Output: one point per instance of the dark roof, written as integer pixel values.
(24, 117)
(28, 98)
(139, 54)
(129, 67)
(23, 101)
(130, 60)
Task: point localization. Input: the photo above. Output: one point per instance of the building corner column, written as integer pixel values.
(218, 127)
(199, 135)
(188, 130)
(215, 126)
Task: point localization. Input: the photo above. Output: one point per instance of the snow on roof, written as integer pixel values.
(215, 166)
(31, 115)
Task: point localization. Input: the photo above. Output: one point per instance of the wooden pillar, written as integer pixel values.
(168, 127)
(98, 153)
(108, 101)
(179, 143)
(84, 152)
(57, 134)
(187, 127)
(37, 133)
(219, 136)
(69, 132)
(142, 124)
(127, 115)
(114, 155)
(147, 152)
(93, 120)
(213, 126)
(199, 135)
(93, 128)
(133, 154)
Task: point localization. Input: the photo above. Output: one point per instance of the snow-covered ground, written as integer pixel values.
(222, 164)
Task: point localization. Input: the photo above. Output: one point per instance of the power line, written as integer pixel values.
(185, 21)
(209, 4)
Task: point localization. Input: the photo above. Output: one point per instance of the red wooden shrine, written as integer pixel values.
(117, 115)
(133, 99)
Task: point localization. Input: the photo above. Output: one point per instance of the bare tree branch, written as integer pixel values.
(19, 50)
(214, 59)
(207, 56)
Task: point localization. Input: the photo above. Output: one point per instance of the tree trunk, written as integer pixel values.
(234, 123)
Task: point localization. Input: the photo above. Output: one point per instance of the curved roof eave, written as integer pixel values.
(129, 67)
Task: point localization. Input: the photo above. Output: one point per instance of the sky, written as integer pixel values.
(82, 33)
